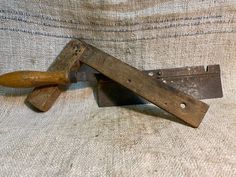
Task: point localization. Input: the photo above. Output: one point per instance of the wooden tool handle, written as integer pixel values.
(27, 79)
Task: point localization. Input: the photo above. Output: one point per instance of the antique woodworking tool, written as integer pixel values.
(193, 81)
(156, 91)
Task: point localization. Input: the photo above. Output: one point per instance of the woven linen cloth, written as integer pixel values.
(76, 137)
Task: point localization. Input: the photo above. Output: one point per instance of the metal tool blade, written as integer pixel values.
(86, 73)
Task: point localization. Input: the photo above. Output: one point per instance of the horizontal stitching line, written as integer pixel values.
(115, 40)
(122, 30)
(95, 23)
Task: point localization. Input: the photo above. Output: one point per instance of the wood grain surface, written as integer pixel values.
(28, 79)
(173, 101)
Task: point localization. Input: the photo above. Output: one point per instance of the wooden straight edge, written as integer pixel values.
(172, 100)
(43, 98)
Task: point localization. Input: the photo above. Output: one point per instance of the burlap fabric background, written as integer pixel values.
(76, 138)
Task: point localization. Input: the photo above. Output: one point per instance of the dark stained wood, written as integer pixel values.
(44, 97)
(196, 81)
(172, 100)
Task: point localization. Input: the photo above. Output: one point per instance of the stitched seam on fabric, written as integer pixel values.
(115, 24)
(112, 40)
(122, 30)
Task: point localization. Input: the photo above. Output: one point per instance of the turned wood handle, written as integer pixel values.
(27, 79)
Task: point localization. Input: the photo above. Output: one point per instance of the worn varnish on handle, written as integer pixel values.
(173, 101)
(28, 79)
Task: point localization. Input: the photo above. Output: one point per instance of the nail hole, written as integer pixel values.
(150, 74)
(128, 80)
(183, 105)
